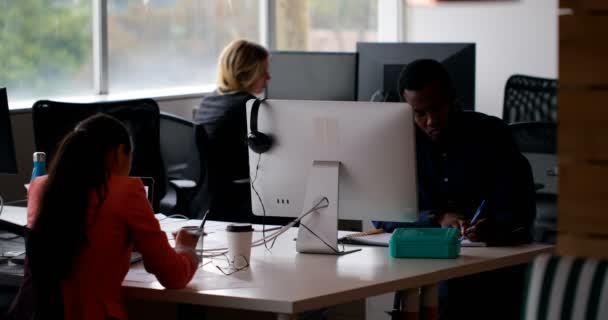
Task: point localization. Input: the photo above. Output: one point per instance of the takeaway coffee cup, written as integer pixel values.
(239, 244)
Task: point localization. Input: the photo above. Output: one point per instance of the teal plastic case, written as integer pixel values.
(440, 243)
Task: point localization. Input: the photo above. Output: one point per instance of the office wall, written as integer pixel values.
(11, 186)
(511, 37)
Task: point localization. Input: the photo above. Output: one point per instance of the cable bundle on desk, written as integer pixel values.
(255, 178)
(273, 236)
(221, 251)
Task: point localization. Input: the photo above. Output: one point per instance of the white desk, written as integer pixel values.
(287, 283)
(15, 215)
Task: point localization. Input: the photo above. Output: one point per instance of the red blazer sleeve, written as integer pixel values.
(173, 270)
(34, 197)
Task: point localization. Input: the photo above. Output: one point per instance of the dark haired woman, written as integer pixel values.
(85, 218)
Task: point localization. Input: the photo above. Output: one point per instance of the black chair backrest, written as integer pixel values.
(178, 147)
(538, 142)
(535, 137)
(201, 200)
(52, 120)
(530, 99)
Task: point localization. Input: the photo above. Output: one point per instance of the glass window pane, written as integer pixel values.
(169, 43)
(322, 25)
(45, 48)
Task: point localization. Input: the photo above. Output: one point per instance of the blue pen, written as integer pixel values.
(483, 202)
(481, 205)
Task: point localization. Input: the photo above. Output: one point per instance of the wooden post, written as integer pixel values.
(410, 304)
(582, 130)
(430, 302)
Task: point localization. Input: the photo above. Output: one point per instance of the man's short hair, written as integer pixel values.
(421, 73)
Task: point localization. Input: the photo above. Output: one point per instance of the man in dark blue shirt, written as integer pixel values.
(464, 159)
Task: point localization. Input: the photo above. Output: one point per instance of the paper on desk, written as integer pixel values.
(173, 224)
(205, 280)
(382, 239)
(202, 280)
(176, 223)
(469, 243)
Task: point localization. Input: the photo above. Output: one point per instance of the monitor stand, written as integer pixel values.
(318, 231)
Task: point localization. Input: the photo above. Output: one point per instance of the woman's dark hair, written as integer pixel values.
(421, 73)
(77, 172)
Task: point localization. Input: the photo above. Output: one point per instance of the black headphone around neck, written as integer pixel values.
(257, 141)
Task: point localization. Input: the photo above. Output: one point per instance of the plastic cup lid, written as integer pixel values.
(239, 227)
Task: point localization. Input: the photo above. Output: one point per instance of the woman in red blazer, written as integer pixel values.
(86, 217)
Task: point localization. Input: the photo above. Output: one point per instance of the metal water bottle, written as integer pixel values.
(39, 165)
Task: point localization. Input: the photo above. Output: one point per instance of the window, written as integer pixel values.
(48, 49)
(322, 25)
(45, 48)
(171, 43)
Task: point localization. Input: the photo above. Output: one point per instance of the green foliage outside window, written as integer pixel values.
(45, 46)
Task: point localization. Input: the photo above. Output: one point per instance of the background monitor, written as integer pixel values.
(312, 76)
(52, 120)
(380, 65)
(374, 143)
(8, 161)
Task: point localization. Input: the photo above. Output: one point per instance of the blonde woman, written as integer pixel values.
(242, 74)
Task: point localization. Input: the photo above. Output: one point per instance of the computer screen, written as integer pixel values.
(380, 65)
(390, 83)
(8, 161)
(52, 120)
(373, 142)
(312, 76)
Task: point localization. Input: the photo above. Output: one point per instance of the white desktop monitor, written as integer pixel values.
(373, 143)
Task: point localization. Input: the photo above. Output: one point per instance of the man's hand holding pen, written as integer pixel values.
(474, 229)
(474, 232)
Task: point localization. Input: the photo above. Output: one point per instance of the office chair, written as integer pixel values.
(181, 156)
(538, 143)
(566, 288)
(52, 120)
(200, 200)
(530, 99)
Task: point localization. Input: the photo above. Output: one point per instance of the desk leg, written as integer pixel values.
(410, 304)
(430, 302)
(285, 316)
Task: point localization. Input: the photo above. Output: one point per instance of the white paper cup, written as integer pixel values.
(239, 244)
